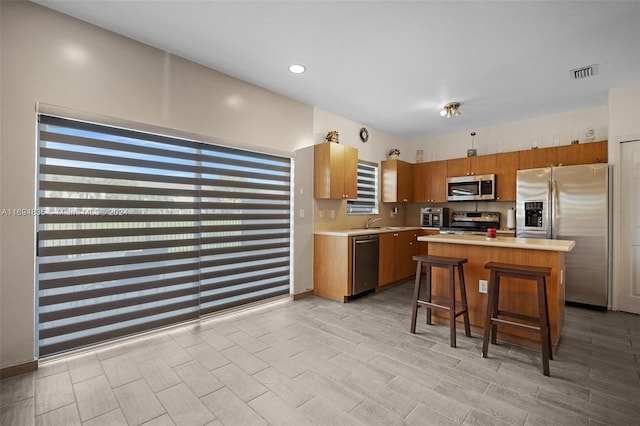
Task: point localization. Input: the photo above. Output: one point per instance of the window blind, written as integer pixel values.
(367, 201)
(137, 231)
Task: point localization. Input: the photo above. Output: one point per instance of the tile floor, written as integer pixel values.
(315, 361)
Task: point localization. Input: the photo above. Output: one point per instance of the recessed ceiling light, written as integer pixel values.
(297, 68)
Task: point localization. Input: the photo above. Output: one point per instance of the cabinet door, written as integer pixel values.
(335, 171)
(483, 165)
(350, 179)
(421, 186)
(396, 181)
(506, 174)
(386, 258)
(331, 269)
(406, 243)
(405, 185)
(458, 167)
(438, 181)
(536, 158)
(585, 153)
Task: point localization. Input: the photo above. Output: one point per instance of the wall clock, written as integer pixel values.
(364, 134)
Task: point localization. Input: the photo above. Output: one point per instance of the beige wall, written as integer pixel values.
(547, 131)
(52, 58)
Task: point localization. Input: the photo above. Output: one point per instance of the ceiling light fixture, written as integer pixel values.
(297, 68)
(450, 109)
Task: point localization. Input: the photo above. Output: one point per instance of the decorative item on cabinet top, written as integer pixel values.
(332, 136)
(394, 154)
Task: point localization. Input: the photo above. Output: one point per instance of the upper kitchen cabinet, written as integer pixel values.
(396, 181)
(584, 153)
(335, 171)
(506, 174)
(536, 158)
(471, 166)
(429, 182)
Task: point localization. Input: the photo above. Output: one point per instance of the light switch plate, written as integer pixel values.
(482, 288)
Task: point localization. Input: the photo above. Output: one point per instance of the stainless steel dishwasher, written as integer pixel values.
(364, 263)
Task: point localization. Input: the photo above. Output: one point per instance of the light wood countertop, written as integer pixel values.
(507, 242)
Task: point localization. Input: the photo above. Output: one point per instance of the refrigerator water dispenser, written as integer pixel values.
(533, 212)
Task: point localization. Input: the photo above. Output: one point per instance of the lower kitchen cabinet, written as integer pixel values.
(396, 256)
(332, 267)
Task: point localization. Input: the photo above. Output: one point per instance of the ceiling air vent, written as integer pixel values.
(584, 72)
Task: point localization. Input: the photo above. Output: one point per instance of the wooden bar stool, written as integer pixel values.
(449, 304)
(534, 273)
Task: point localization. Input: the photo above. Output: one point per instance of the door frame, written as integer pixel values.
(615, 289)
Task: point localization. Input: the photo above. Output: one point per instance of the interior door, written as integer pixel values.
(629, 285)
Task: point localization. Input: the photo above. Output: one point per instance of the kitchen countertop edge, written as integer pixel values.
(507, 242)
(352, 232)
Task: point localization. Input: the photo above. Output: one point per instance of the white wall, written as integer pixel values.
(547, 131)
(52, 58)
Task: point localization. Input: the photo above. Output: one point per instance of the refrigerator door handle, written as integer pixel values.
(554, 212)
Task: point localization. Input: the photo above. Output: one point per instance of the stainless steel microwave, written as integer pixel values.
(469, 188)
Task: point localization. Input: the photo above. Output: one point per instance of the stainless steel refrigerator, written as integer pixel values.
(570, 203)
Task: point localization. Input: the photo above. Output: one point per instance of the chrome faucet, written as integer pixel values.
(371, 222)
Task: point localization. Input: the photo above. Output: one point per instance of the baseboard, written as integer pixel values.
(17, 369)
(302, 295)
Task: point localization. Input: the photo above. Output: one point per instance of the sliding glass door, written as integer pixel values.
(137, 231)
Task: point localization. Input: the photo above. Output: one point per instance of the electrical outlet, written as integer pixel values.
(321, 213)
(482, 288)
(333, 214)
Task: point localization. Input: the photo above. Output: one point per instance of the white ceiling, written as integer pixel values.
(392, 65)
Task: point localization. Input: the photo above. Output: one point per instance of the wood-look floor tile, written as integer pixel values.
(207, 356)
(84, 367)
(120, 370)
(287, 366)
(277, 412)
(244, 359)
(343, 398)
(216, 340)
(67, 416)
(423, 416)
(285, 347)
(138, 402)
(94, 397)
(497, 410)
(16, 388)
(284, 387)
(19, 413)
(184, 408)
(184, 337)
(112, 418)
(447, 407)
(322, 365)
(239, 382)
(250, 343)
(49, 368)
(164, 420)
(53, 392)
(172, 353)
(197, 378)
(536, 406)
(231, 410)
(158, 374)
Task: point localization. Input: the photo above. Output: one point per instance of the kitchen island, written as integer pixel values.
(515, 295)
